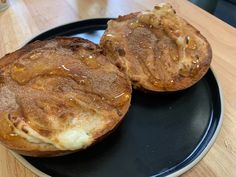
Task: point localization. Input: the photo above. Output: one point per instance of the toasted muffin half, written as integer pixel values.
(59, 96)
(157, 49)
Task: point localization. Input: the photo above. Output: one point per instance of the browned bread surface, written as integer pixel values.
(58, 96)
(157, 49)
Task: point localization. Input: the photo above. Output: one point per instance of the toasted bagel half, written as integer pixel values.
(59, 96)
(157, 49)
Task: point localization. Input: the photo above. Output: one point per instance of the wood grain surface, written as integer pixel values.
(27, 18)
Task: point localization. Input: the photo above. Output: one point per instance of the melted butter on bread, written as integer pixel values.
(70, 139)
(74, 135)
(75, 138)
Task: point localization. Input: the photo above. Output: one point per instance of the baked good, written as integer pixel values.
(59, 96)
(157, 49)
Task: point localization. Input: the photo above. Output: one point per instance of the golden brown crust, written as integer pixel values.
(53, 89)
(158, 50)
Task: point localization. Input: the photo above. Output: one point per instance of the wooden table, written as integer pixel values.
(25, 19)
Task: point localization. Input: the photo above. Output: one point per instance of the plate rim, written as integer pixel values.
(213, 138)
(179, 172)
(26, 41)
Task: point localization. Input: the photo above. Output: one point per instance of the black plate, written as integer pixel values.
(161, 134)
